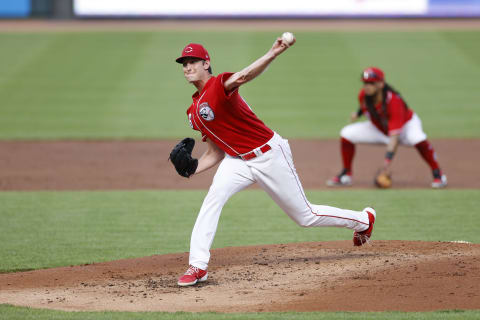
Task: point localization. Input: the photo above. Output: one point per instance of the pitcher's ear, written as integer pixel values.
(206, 64)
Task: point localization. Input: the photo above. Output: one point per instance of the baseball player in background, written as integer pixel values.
(390, 122)
(249, 152)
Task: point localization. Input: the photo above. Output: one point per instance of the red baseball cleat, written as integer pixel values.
(192, 276)
(359, 238)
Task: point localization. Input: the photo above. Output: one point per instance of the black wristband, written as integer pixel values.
(359, 112)
(389, 155)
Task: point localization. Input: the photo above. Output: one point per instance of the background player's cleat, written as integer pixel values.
(343, 179)
(360, 238)
(439, 183)
(192, 276)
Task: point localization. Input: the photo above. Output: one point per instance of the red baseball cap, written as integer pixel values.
(194, 50)
(372, 74)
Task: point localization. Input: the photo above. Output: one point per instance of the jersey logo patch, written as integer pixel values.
(206, 112)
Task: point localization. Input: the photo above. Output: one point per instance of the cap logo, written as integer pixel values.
(188, 49)
(206, 112)
(366, 75)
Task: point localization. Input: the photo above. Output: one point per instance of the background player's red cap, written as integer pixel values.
(372, 74)
(194, 50)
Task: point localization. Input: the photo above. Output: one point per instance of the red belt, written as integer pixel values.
(253, 154)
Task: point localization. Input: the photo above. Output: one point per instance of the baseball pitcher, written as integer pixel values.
(249, 152)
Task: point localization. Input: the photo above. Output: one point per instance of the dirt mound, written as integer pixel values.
(316, 276)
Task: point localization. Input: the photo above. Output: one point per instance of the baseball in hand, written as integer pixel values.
(288, 38)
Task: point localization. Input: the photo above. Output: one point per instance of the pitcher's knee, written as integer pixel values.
(302, 215)
(304, 223)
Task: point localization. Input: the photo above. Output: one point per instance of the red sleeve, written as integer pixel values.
(361, 98)
(221, 78)
(361, 95)
(397, 115)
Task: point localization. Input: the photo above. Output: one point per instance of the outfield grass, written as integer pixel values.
(50, 229)
(127, 85)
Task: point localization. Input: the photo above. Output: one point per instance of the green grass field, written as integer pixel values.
(125, 85)
(9, 312)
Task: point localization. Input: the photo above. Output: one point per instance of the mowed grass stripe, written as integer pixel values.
(122, 85)
(11, 312)
(51, 229)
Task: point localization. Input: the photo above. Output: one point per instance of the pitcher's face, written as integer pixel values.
(195, 69)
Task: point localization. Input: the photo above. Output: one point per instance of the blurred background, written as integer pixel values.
(66, 9)
(103, 69)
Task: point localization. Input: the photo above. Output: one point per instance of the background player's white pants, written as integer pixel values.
(365, 132)
(275, 173)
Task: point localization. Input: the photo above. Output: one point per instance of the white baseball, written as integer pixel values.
(288, 37)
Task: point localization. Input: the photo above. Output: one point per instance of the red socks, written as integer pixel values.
(348, 151)
(424, 148)
(428, 154)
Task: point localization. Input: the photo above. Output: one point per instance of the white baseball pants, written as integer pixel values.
(275, 173)
(365, 132)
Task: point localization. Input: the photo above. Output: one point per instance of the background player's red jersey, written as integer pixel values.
(397, 113)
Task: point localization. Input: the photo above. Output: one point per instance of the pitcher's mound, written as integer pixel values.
(316, 276)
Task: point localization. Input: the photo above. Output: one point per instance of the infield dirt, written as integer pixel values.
(127, 165)
(318, 276)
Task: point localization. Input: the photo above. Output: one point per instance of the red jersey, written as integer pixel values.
(226, 119)
(397, 113)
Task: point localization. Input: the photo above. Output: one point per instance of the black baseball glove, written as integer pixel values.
(181, 157)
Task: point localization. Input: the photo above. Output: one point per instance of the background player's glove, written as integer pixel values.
(383, 180)
(181, 157)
